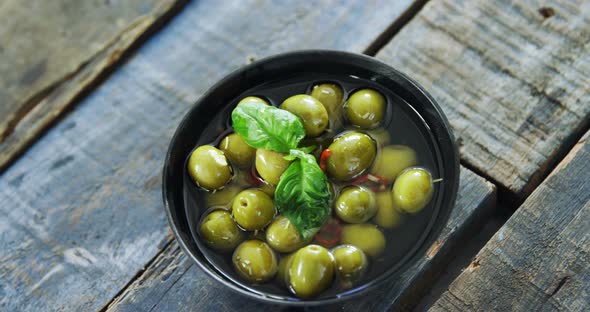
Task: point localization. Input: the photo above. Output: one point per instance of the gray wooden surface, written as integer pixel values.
(540, 259)
(513, 80)
(82, 211)
(52, 51)
(166, 282)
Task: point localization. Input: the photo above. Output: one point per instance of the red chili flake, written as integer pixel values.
(361, 179)
(374, 182)
(329, 235)
(323, 157)
(378, 179)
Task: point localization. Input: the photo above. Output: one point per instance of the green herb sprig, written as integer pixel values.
(303, 194)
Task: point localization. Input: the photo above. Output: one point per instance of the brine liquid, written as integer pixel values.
(404, 126)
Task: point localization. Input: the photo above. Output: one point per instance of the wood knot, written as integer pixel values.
(473, 265)
(546, 12)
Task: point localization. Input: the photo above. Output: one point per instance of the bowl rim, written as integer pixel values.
(408, 84)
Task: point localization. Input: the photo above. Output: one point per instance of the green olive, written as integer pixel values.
(311, 271)
(283, 236)
(310, 110)
(393, 159)
(268, 188)
(245, 178)
(365, 236)
(412, 190)
(356, 204)
(351, 154)
(237, 150)
(219, 231)
(387, 216)
(380, 135)
(283, 272)
(209, 168)
(351, 262)
(270, 165)
(365, 108)
(253, 99)
(224, 197)
(330, 95)
(255, 261)
(253, 209)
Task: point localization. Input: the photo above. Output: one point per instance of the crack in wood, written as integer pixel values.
(394, 28)
(40, 111)
(137, 275)
(561, 283)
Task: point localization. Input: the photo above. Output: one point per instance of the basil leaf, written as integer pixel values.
(303, 150)
(307, 149)
(303, 194)
(267, 127)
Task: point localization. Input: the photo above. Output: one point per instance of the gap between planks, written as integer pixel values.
(509, 200)
(139, 273)
(394, 28)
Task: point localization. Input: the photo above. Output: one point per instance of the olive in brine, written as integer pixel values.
(311, 271)
(351, 262)
(268, 188)
(282, 236)
(311, 111)
(253, 209)
(222, 197)
(365, 109)
(412, 190)
(283, 271)
(380, 135)
(237, 150)
(219, 231)
(351, 154)
(270, 165)
(387, 215)
(254, 99)
(393, 159)
(209, 168)
(356, 204)
(255, 261)
(330, 95)
(367, 237)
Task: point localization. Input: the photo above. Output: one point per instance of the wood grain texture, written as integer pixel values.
(58, 50)
(540, 259)
(82, 210)
(513, 79)
(173, 281)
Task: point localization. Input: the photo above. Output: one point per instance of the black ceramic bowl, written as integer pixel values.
(315, 65)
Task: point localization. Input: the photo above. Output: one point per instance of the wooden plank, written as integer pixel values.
(540, 259)
(82, 208)
(171, 282)
(512, 76)
(58, 50)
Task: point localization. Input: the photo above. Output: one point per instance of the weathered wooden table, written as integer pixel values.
(87, 112)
